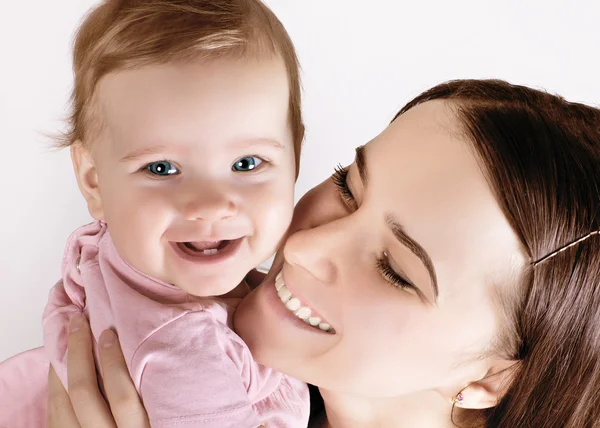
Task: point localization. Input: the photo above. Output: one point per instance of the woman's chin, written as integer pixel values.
(276, 339)
(250, 325)
(257, 324)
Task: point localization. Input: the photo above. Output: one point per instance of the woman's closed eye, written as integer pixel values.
(340, 179)
(390, 275)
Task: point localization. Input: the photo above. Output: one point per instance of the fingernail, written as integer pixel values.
(75, 323)
(107, 339)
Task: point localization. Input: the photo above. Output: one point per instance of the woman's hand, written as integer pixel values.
(84, 406)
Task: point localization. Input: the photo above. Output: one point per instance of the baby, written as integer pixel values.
(185, 139)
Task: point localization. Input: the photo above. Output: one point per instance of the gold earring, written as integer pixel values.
(458, 398)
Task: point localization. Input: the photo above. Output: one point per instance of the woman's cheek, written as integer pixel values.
(319, 206)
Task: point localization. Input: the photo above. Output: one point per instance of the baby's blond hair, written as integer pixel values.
(126, 34)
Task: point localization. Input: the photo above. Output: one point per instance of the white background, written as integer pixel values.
(362, 61)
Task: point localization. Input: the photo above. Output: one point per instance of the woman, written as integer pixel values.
(457, 261)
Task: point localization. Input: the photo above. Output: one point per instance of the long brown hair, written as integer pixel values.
(541, 156)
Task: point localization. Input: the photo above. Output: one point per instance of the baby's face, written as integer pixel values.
(195, 168)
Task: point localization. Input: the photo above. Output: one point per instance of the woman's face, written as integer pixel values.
(403, 264)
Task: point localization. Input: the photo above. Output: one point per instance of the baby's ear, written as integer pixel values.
(488, 391)
(87, 178)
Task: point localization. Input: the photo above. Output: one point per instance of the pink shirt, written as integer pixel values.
(24, 390)
(188, 365)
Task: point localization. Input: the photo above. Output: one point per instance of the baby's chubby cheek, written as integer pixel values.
(272, 210)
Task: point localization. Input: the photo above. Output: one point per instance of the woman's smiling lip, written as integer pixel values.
(274, 302)
(290, 306)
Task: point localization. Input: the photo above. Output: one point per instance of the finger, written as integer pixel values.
(89, 406)
(60, 412)
(120, 391)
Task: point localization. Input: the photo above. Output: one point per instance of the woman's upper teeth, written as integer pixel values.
(297, 307)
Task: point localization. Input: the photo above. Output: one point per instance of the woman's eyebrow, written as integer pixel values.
(415, 248)
(396, 228)
(361, 164)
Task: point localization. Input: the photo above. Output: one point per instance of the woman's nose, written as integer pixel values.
(317, 251)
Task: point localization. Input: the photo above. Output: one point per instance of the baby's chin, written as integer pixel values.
(225, 285)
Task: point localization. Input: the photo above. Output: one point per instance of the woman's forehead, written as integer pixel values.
(424, 171)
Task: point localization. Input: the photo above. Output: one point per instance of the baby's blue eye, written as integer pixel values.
(162, 168)
(247, 163)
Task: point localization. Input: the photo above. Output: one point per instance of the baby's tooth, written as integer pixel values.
(279, 276)
(324, 326)
(314, 321)
(293, 304)
(284, 294)
(303, 313)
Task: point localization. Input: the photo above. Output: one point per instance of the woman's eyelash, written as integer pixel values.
(383, 265)
(340, 180)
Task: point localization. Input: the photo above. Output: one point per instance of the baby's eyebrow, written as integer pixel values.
(157, 149)
(143, 151)
(270, 142)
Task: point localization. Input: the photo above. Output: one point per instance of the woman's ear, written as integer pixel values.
(87, 178)
(489, 390)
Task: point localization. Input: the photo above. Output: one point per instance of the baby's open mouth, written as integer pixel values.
(204, 248)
